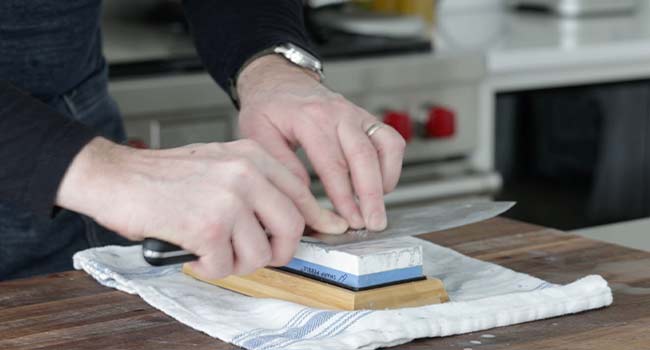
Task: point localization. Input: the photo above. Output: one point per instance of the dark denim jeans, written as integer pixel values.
(30, 247)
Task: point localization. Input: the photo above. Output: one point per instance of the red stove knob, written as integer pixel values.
(401, 122)
(441, 122)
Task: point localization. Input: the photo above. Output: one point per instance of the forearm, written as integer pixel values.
(229, 32)
(90, 178)
(36, 147)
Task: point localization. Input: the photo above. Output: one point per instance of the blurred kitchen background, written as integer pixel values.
(545, 102)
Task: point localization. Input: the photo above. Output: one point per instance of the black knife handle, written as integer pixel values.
(158, 253)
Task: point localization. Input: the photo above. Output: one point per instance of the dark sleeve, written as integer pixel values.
(228, 32)
(36, 147)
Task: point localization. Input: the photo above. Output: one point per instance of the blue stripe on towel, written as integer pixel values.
(319, 324)
(298, 332)
(335, 328)
(295, 319)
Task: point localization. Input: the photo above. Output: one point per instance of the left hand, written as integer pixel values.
(284, 106)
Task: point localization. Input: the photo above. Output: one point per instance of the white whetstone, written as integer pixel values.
(361, 264)
(362, 258)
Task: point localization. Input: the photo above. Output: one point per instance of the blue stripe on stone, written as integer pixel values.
(352, 280)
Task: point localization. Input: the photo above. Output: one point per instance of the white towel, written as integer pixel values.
(483, 295)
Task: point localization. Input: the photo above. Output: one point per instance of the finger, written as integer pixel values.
(280, 217)
(327, 158)
(250, 244)
(277, 146)
(390, 147)
(317, 217)
(365, 172)
(217, 263)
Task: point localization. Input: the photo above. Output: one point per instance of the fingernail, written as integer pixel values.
(357, 221)
(330, 223)
(337, 225)
(341, 225)
(377, 221)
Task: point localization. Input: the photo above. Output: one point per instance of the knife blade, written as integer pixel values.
(401, 222)
(419, 220)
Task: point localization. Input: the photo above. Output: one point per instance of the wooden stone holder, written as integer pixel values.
(277, 284)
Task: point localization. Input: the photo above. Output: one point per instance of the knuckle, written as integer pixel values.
(339, 101)
(241, 170)
(331, 174)
(337, 165)
(345, 203)
(260, 261)
(281, 259)
(393, 145)
(193, 223)
(214, 231)
(220, 269)
(225, 268)
(284, 260)
(228, 200)
(341, 196)
(363, 150)
(372, 194)
(243, 270)
(217, 227)
(244, 267)
(296, 226)
(211, 225)
(303, 197)
(249, 145)
(293, 226)
(398, 144)
(320, 113)
(263, 257)
(313, 108)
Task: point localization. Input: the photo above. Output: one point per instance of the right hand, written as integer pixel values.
(231, 204)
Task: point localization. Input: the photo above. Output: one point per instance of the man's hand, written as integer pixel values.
(218, 201)
(284, 106)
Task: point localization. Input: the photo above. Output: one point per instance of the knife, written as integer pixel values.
(409, 221)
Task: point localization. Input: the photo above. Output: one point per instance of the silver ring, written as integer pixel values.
(373, 128)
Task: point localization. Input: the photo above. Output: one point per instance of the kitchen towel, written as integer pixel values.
(483, 295)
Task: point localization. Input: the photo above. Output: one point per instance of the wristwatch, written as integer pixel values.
(293, 53)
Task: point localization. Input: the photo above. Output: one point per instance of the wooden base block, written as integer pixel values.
(272, 283)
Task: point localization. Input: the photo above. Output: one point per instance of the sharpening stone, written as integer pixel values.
(360, 265)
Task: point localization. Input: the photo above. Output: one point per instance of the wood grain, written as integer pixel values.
(71, 311)
(272, 283)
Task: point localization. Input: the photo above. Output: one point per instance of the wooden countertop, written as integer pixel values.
(71, 311)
